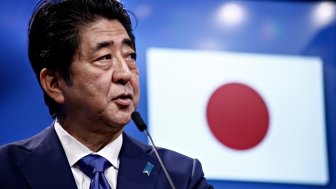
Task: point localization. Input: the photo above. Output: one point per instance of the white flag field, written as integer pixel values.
(246, 117)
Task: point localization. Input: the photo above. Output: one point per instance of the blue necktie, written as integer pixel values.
(94, 166)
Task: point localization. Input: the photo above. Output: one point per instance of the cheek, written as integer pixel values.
(136, 88)
(93, 86)
(100, 89)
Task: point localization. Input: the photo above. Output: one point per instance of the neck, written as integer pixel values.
(93, 136)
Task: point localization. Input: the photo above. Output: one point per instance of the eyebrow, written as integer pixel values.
(104, 44)
(101, 45)
(128, 42)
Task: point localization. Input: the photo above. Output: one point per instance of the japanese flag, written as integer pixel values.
(252, 117)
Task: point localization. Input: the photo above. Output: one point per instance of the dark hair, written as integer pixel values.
(54, 37)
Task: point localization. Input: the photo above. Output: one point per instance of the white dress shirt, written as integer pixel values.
(74, 151)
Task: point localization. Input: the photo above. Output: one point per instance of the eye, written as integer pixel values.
(131, 56)
(104, 58)
(131, 61)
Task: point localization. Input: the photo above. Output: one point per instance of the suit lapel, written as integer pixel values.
(133, 160)
(46, 165)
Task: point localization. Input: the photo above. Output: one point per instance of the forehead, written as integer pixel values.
(102, 30)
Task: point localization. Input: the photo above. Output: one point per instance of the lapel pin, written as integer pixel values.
(148, 169)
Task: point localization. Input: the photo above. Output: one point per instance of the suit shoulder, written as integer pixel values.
(10, 156)
(8, 151)
(175, 156)
(182, 166)
(162, 151)
(185, 171)
(16, 150)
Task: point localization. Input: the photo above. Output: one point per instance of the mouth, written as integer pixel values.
(123, 99)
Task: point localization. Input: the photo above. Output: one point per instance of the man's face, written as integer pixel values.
(105, 81)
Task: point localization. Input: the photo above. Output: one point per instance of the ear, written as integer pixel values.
(51, 83)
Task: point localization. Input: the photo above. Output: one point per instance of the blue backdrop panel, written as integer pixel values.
(269, 27)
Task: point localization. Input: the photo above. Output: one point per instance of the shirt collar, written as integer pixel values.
(74, 150)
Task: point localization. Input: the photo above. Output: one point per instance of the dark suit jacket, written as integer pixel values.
(40, 163)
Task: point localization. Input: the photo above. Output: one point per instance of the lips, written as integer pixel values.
(124, 99)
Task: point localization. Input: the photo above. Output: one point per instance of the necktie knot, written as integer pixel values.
(92, 163)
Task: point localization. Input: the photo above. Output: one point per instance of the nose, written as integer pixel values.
(122, 74)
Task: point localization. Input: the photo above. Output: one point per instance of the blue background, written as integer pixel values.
(273, 27)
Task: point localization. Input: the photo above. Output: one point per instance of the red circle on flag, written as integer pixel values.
(237, 116)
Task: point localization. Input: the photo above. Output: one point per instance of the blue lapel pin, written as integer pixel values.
(148, 169)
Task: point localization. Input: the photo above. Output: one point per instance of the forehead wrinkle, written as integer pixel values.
(103, 44)
(106, 27)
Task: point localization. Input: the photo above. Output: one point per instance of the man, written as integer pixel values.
(83, 54)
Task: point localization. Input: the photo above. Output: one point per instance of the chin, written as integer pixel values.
(121, 120)
(117, 116)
